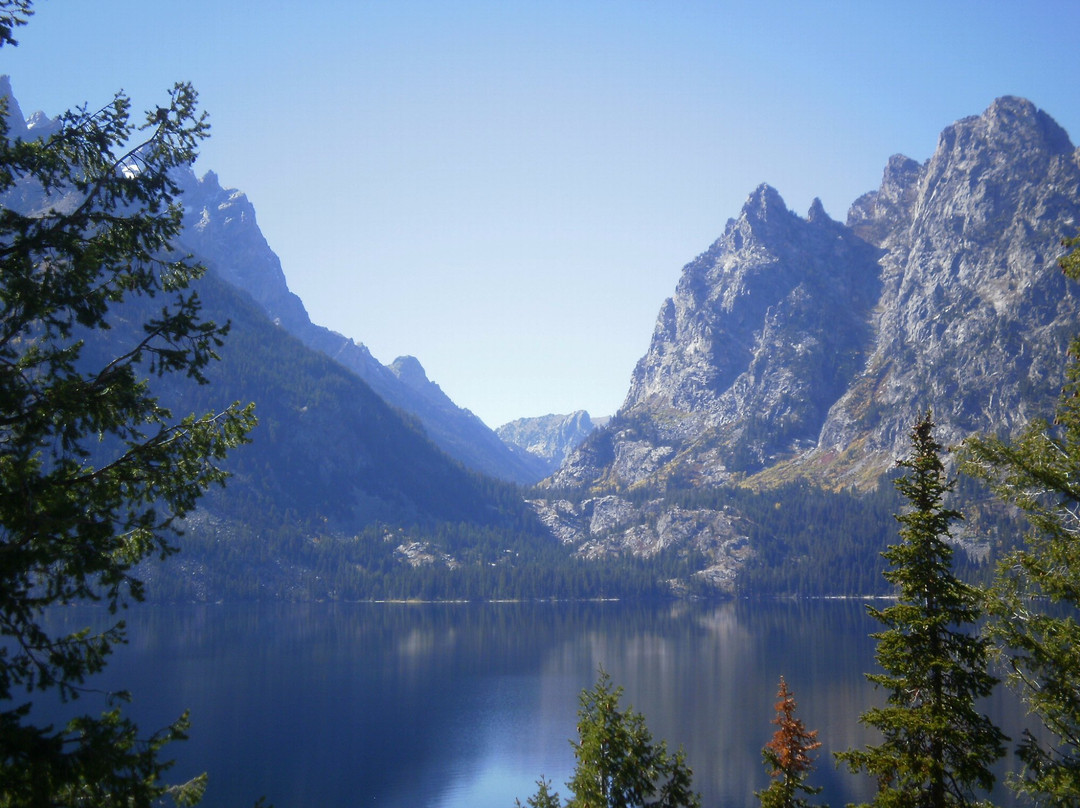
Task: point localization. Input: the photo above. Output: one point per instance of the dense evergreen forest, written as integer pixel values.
(807, 542)
(487, 564)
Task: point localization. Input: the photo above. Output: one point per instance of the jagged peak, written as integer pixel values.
(409, 370)
(898, 180)
(13, 113)
(1012, 112)
(763, 210)
(817, 212)
(900, 166)
(1010, 105)
(207, 192)
(1009, 122)
(41, 124)
(211, 180)
(763, 203)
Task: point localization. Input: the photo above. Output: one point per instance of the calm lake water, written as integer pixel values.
(466, 705)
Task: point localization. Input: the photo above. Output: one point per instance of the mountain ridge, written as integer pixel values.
(549, 438)
(736, 317)
(338, 493)
(220, 226)
(794, 354)
(803, 348)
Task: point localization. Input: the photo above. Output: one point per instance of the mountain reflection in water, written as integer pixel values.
(466, 705)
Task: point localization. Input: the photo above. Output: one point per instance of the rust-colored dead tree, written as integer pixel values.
(787, 756)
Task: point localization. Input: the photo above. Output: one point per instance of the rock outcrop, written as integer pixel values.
(803, 347)
(548, 439)
(974, 315)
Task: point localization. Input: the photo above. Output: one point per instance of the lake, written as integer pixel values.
(466, 705)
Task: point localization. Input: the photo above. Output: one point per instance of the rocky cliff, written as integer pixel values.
(548, 439)
(803, 347)
(974, 314)
(766, 330)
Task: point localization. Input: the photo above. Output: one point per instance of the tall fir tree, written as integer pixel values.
(787, 757)
(1037, 587)
(937, 748)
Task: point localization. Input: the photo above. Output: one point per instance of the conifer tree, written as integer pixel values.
(618, 765)
(95, 309)
(1040, 473)
(787, 757)
(937, 748)
(544, 796)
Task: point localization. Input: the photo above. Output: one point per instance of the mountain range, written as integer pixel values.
(337, 484)
(792, 358)
(221, 228)
(805, 348)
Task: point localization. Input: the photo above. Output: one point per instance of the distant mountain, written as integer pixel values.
(803, 348)
(547, 438)
(338, 491)
(329, 454)
(778, 389)
(339, 494)
(220, 227)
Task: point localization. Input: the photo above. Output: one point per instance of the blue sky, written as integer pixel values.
(509, 190)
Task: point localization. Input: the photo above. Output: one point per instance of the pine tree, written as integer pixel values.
(618, 765)
(95, 308)
(543, 798)
(787, 757)
(937, 749)
(1040, 473)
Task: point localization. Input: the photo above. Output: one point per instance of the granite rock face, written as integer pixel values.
(974, 315)
(803, 347)
(766, 330)
(605, 526)
(547, 438)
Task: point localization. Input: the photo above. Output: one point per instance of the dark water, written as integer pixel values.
(465, 705)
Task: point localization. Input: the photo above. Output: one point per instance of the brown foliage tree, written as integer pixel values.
(787, 756)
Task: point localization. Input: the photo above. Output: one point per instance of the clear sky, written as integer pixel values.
(509, 190)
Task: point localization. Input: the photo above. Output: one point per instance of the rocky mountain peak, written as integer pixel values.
(765, 329)
(549, 438)
(16, 123)
(12, 112)
(973, 308)
(41, 125)
(1010, 121)
(809, 338)
(211, 184)
(220, 225)
(875, 215)
(764, 205)
(410, 371)
(817, 211)
(984, 165)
